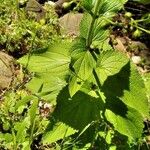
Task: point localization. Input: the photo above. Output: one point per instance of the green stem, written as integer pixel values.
(97, 79)
(14, 139)
(30, 52)
(142, 20)
(90, 31)
(142, 29)
(17, 9)
(89, 39)
(134, 24)
(31, 135)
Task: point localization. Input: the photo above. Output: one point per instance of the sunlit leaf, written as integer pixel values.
(50, 70)
(110, 63)
(59, 131)
(83, 64)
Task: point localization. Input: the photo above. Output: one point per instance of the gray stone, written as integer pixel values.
(70, 23)
(6, 70)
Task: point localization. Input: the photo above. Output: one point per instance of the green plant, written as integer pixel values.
(20, 33)
(20, 121)
(99, 95)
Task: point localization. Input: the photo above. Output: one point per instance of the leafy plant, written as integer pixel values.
(20, 33)
(99, 94)
(21, 123)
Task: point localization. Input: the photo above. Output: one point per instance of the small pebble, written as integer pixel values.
(46, 105)
(136, 59)
(51, 3)
(40, 104)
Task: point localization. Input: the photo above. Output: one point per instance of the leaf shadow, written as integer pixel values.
(114, 88)
(78, 111)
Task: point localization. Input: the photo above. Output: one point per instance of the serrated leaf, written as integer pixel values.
(20, 127)
(83, 64)
(50, 69)
(6, 137)
(125, 120)
(87, 4)
(23, 101)
(84, 25)
(50, 86)
(107, 7)
(109, 63)
(78, 111)
(50, 62)
(59, 131)
(75, 85)
(128, 86)
(100, 33)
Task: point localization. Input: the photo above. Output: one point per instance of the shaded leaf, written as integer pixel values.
(128, 86)
(78, 111)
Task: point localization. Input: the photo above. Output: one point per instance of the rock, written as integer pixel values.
(120, 44)
(6, 70)
(136, 59)
(70, 23)
(34, 7)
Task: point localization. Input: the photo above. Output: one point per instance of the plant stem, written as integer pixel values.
(142, 29)
(97, 79)
(31, 135)
(90, 34)
(30, 52)
(17, 9)
(90, 31)
(134, 23)
(14, 139)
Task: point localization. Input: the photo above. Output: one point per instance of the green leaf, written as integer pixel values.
(59, 131)
(20, 127)
(87, 4)
(84, 25)
(109, 63)
(23, 101)
(128, 86)
(78, 111)
(75, 84)
(82, 64)
(50, 86)
(33, 111)
(127, 121)
(108, 7)
(50, 69)
(100, 33)
(6, 137)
